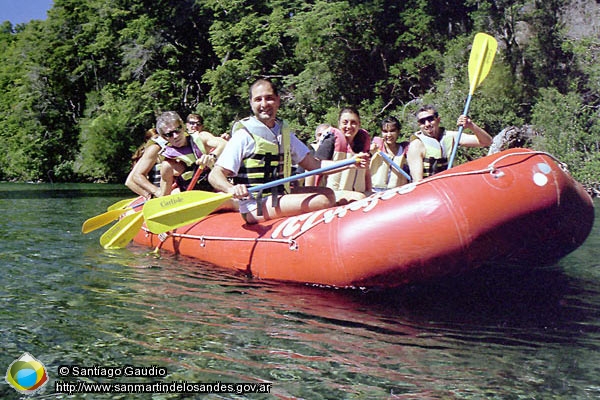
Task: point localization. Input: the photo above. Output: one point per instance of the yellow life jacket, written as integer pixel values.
(270, 160)
(436, 152)
(382, 175)
(188, 155)
(354, 179)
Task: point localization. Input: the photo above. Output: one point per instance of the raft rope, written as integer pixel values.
(202, 238)
(492, 169)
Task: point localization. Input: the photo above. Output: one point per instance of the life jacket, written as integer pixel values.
(154, 174)
(351, 178)
(270, 160)
(383, 176)
(188, 155)
(436, 152)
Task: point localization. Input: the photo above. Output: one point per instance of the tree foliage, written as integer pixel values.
(80, 88)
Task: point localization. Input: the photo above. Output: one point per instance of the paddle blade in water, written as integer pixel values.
(121, 204)
(121, 233)
(166, 213)
(481, 59)
(99, 221)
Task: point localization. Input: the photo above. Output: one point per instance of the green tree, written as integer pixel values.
(570, 131)
(80, 89)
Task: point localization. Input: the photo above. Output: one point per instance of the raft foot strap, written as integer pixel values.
(259, 202)
(275, 196)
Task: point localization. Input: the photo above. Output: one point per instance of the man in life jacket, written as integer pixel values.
(262, 149)
(431, 147)
(185, 152)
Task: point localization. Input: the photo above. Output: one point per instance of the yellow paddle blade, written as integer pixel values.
(121, 233)
(121, 204)
(170, 212)
(99, 221)
(481, 59)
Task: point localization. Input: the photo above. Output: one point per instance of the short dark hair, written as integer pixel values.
(196, 117)
(390, 121)
(261, 81)
(351, 110)
(427, 107)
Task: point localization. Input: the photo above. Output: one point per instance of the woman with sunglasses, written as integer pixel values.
(430, 147)
(185, 152)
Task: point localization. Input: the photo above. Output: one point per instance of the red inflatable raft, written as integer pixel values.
(518, 206)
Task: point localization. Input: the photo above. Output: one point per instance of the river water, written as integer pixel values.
(500, 333)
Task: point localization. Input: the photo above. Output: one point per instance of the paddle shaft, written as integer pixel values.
(302, 175)
(395, 166)
(120, 204)
(482, 55)
(460, 130)
(163, 215)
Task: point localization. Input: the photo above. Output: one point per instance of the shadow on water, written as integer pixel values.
(506, 305)
(503, 324)
(531, 303)
(499, 296)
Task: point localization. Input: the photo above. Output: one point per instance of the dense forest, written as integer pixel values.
(80, 88)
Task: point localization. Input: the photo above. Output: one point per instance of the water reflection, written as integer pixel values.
(492, 330)
(497, 333)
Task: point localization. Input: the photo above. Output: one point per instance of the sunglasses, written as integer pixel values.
(172, 133)
(424, 120)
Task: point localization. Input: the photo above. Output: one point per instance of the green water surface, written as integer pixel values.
(500, 333)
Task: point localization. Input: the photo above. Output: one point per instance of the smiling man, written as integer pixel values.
(430, 147)
(261, 150)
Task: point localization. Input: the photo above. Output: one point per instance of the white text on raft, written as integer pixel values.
(294, 226)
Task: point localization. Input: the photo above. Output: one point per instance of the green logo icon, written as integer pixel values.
(26, 374)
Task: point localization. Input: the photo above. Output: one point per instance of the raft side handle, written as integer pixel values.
(495, 172)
